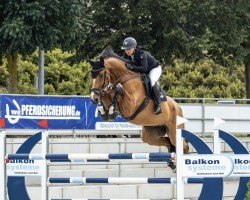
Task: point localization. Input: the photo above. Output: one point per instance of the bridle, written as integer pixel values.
(103, 89)
(118, 88)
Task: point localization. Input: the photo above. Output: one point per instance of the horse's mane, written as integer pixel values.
(99, 65)
(108, 52)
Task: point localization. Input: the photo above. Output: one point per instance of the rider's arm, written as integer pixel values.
(143, 64)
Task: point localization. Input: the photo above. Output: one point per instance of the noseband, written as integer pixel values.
(103, 89)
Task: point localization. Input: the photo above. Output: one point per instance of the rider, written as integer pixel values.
(144, 62)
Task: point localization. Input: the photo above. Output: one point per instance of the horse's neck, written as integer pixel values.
(134, 91)
(117, 73)
(133, 96)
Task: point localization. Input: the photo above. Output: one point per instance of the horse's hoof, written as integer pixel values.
(105, 117)
(113, 116)
(172, 165)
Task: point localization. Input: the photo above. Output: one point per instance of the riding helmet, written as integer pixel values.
(129, 43)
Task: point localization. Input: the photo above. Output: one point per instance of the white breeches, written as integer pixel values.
(154, 75)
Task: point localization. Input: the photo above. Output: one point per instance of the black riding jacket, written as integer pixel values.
(143, 61)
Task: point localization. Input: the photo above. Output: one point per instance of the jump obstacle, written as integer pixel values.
(213, 183)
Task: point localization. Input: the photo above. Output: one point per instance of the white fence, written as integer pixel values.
(201, 117)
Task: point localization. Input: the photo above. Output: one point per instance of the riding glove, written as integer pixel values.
(129, 66)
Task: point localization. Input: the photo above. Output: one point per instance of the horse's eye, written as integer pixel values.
(101, 75)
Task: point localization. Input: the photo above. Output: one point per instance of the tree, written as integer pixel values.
(225, 32)
(188, 29)
(203, 79)
(61, 77)
(26, 24)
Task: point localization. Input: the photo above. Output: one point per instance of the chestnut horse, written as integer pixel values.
(116, 87)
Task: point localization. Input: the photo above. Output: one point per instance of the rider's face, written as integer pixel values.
(130, 51)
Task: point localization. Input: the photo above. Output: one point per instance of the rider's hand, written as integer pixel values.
(129, 66)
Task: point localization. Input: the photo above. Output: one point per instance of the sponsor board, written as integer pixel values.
(116, 126)
(25, 167)
(61, 112)
(241, 165)
(206, 165)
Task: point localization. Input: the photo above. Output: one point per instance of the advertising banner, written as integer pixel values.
(241, 165)
(29, 112)
(196, 166)
(25, 167)
(54, 112)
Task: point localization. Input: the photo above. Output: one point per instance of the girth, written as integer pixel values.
(141, 107)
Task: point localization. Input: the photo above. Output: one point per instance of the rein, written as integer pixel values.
(118, 87)
(103, 89)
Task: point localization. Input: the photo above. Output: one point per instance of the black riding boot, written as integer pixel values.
(156, 93)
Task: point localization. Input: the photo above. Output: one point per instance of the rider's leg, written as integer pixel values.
(154, 75)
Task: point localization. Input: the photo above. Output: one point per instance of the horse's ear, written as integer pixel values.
(107, 52)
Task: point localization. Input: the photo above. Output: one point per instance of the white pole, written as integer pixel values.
(3, 167)
(44, 177)
(217, 144)
(179, 174)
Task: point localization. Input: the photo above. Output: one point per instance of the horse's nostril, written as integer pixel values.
(95, 100)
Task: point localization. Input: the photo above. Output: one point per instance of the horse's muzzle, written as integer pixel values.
(94, 98)
(94, 101)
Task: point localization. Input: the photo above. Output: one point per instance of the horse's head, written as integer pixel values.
(106, 72)
(109, 74)
(103, 90)
(101, 79)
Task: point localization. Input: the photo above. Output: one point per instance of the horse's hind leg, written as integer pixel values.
(172, 138)
(182, 126)
(185, 146)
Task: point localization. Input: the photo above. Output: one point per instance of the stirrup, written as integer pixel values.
(158, 110)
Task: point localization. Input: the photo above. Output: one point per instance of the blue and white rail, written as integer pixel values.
(93, 199)
(118, 180)
(121, 180)
(86, 157)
